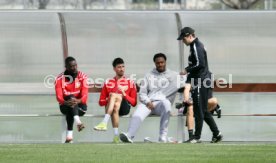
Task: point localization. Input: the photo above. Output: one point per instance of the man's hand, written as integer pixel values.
(184, 72)
(123, 93)
(72, 102)
(68, 103)
(123, 89)
(76, 101)
(150, 106)
(188, 101)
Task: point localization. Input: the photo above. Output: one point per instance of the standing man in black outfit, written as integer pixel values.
(199, 78)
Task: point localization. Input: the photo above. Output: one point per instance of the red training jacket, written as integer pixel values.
(111, 86)
(78, 88)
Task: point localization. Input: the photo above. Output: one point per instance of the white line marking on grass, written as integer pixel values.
(235, 144)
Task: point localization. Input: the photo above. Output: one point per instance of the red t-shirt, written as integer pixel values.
(78, 88)
(111, 86)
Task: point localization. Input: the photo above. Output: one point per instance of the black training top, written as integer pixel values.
(198, 63)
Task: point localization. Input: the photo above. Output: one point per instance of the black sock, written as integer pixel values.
(191, 133)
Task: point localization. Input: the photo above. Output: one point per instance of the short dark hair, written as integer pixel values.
(158, 55)
(117, 61)
(68, 60)
(186, 31)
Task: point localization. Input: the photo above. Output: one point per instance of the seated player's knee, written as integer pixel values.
(115, 111)
(141, 111)
(81, 113)
(119, 98)
(116, 97)
(117, 105)
(112, 95)
(167, 104)
(213, 101)
(137, 115)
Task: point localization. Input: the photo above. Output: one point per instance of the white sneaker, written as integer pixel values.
(172, 140)
(147, 140)
(124, 138)
(163, 139)
(194, 141)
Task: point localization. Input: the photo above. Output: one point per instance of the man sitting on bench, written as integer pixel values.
(157, 93)
(117, 95)
(71, 93)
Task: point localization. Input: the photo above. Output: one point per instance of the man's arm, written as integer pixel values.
(200, 61)
(143, 93)
(84, 94)
(103, 96)
(58, 89)
(132, 97)
(84, 91)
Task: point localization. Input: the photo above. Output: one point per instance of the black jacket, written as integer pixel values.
(198, 63)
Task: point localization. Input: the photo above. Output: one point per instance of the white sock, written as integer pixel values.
(106, 118)
(77, 119)
(69, 134)
(116, 131)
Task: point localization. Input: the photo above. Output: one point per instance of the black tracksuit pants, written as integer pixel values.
(200, 105)
(70, 112)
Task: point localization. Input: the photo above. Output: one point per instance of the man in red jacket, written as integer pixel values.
(117, 95)
(71, 93)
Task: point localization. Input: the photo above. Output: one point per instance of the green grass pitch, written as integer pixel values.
(140, 152)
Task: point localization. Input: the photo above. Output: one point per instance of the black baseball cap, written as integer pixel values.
(186, 31)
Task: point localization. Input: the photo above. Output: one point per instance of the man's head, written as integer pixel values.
(119, 67)
(187, 35)
(160, 62)
(71, 66)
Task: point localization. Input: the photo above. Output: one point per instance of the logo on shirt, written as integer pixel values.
(77, 84)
